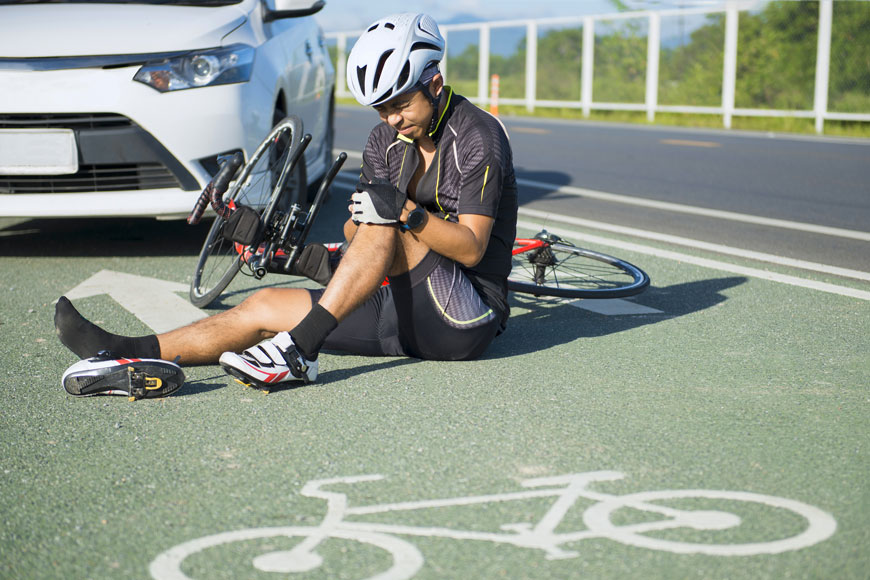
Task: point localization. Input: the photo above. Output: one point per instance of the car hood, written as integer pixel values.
(46, 30)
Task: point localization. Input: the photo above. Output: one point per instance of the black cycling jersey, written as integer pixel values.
(472, 173)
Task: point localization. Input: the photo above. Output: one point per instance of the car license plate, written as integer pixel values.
(38, 152)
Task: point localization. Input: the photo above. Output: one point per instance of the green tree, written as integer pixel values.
(776, 56)
(620, 65)
(849, 87)
(691, 74)
(560, 56)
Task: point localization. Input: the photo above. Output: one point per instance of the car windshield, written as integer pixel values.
(172, 2)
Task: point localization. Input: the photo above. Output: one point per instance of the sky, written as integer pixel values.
(345, 15)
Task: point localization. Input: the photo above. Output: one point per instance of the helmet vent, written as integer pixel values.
(424, 46)
(390, 25)
(361, 77)
(403, 76)
(380, 68)
(372, 28)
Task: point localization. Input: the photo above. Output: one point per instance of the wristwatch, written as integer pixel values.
(415, 218)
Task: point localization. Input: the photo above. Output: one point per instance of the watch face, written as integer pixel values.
(415, 218)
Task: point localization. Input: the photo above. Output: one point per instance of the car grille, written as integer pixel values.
(61, 121)
(93, 178)
(98, 136)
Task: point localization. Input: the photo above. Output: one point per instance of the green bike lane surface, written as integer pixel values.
(738, 384)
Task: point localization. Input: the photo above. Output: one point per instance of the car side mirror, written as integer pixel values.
(277, 9)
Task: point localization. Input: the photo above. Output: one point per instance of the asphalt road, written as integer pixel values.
(720, 433)
(806, 180)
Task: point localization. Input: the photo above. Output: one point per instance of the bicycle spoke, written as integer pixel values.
(561, 269)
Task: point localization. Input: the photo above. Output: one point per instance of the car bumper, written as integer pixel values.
(162, 203)
(164, 151)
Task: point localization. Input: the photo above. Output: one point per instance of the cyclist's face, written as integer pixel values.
(409, 113)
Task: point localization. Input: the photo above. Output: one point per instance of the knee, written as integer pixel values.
(262, 301)
(274, 309)
(262, 297)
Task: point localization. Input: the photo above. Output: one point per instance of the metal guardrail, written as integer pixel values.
(651, 105)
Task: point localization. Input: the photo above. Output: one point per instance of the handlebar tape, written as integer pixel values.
(216, 188)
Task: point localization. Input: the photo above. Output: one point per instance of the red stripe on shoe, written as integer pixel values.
(277, 377)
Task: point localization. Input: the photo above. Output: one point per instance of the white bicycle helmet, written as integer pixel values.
(389, 57)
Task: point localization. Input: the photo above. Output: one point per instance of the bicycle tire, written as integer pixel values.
(573, 272)
(598, 518)
(257, 186)
(407, 559)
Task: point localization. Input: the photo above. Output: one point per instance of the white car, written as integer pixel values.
(121, 108)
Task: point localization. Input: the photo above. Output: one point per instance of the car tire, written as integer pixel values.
(329, 141)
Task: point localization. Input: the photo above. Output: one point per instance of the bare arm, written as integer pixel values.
(464, 242)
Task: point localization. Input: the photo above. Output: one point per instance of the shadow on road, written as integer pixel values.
(547, 324)
(102, 237)
(133, 237)
(554, 179)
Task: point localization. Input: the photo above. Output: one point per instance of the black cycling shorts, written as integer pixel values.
(432, 312)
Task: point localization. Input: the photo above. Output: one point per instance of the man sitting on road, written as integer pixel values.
(435, 210)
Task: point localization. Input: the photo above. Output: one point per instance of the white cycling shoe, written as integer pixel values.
(269, 363)
(138, 378)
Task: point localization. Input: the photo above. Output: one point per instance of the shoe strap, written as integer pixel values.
(295, 362)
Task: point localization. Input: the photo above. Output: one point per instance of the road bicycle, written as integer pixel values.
(660, 517)
(274, 232)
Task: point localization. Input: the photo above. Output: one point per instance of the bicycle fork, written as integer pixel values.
(542, 535)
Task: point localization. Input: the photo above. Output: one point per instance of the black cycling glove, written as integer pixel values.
(314, 263)
(378, 202)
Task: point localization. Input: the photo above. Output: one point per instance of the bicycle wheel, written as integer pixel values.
(549, 266)
(820, 525)
(259, 185)
(406, 559)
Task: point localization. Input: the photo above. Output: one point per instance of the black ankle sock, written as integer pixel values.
(310, 334)
(86, 339)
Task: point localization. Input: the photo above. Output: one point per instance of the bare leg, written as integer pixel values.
(260, 316)
(374, 252)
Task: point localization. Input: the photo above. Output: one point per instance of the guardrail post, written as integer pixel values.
(483, 66)
(493, 95)
(729, 70)
(341, 65)
(652, 64)
(823, 63)
(531, 64)
(442, 66)
(588, 63)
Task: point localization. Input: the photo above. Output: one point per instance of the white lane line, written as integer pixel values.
(614, 307)
(701, 211)
(704, 262)
(729, 250)
(687, 209)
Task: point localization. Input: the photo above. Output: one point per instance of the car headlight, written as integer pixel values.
(205, 68)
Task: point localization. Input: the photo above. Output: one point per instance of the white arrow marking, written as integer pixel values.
(614, 307)
(605, 306)
(152, 301)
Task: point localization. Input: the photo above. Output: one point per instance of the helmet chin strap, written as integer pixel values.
(434, 102)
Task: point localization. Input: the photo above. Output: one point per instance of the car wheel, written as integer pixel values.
(329, 140)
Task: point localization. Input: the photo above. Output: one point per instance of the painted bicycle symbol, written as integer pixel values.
(566, 489)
